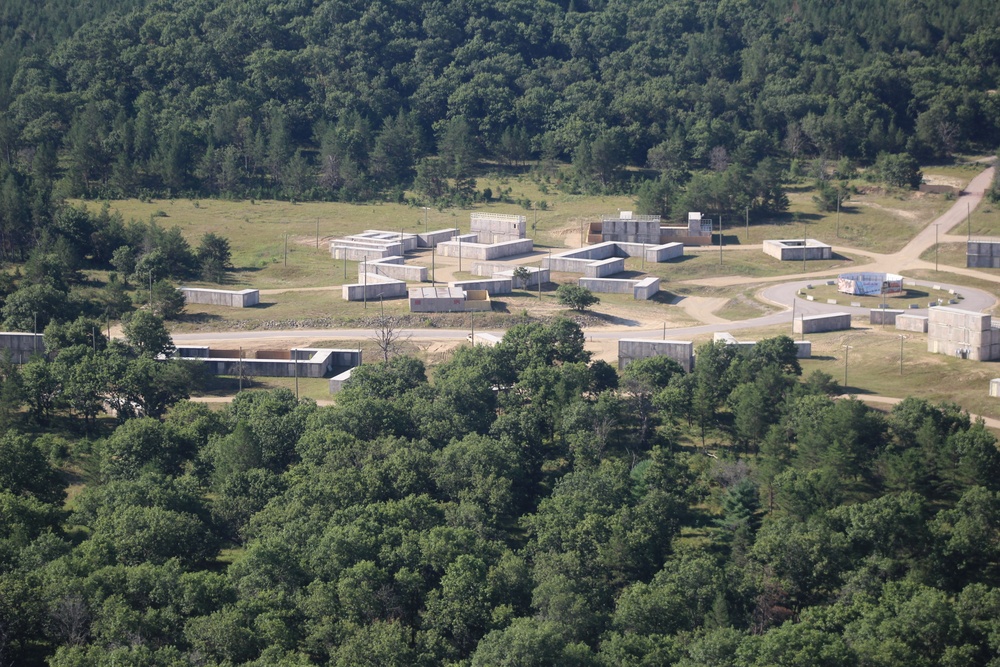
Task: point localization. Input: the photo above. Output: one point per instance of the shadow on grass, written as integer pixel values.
(611, 319)
(198, 318)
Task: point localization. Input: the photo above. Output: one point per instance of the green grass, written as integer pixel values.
(873, 366)
(749, 263)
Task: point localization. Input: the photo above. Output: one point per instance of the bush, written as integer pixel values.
(576, 297)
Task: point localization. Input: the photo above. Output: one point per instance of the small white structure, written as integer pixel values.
(681, 351)
(962, 333)
(995, 387)
(788, 250)
(498, 227)
(448, 300)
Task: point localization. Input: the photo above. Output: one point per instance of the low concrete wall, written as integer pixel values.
(484, 251)
(437, 300)
(487, 339)
(494, 286)
(608, 285)
(377, 286)
(432, 239)
(217, 297)
(995, 387)
(604, 267)
(407, 242)
(653, 253)
(360, 253)
(914, 323)
(535, 275)
(22, 345)
(820, 323)
(646, 288)
(393, 267)
(803, 348)
(880, 316)
(337, 381)
(983, 254)
(681, 351)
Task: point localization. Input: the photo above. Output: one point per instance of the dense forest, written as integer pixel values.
(353, 100)
(522, 506)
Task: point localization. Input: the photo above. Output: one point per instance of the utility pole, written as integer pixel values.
(459, 254)
(286, 249)
(434, 252)
(838, 211)
(935, 247)
(317, 233)
(381, 305)
(664, 331)
(239, 369)
(847, 352)
(901, 339)
(968, 218)
(364, 294)
(747, 235)
(794, 301)
(295, 362)
(720, 239)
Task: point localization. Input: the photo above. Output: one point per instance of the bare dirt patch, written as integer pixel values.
(906, 215)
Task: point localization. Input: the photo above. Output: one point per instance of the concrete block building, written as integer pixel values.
(962, 333)
(681, 351)
(218, 297)
(498, 227)
(790, 250)
(983, 254)
(300, 362)
(820, 323)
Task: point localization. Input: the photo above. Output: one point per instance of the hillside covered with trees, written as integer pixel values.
(353, 100)
(522, 506)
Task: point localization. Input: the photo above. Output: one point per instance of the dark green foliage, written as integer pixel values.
(576, 298)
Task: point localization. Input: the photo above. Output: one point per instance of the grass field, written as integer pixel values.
(915, 296)
(873, 366)
(749, 263)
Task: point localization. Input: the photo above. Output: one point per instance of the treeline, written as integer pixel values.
(523, 506)
(347, 100)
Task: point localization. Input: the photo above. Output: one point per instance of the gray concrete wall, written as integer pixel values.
(914, 323)
(492, 228)
(439, 302)
(995, 387)
(983, 254)
(681, 351)
(309, 363)
(387, 288)
(535, 274)
(432, 239)
(390, 268)
(803, 348)
(962, 333)
(22, 345)
(646, 288)
(337, 381)
(820, 323)
(408, 242)
(631, 230)
(654, 253)
(608, 285)
(883, 316)
(360, 253)
(487, 339)
(604, 267)
(217, 297)
(494, 286)
(483, 251)
(487, 269)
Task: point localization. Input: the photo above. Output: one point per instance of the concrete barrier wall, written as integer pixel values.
(631, 230)
(362, 253)
(494, 286)
(681, 351)
(395, 270)
(387, 288)
(608, 285)
(337, 381)
(995, 387)
(487, 339)
(803, 348)
(22, 345)
(604, 267)
(983, 254)
(820, 323)
(535, 275)
(487, 269)
(408, 242)
(880, 316)
(216, 297)
(654, 253)
(914, 323)
(646, 288)
(963, 333)
(311, 363)
(432, 239)
(483, 251)
(437, 300)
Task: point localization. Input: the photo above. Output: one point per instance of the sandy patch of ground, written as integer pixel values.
(906, 215)
(938, 179)
(702, 308)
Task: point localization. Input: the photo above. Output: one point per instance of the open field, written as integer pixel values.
(749, 263)
(873, 366)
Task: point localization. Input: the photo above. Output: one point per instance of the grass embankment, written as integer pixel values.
(914, 296)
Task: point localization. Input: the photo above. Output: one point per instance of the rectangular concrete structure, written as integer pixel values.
(484, 251)
(883, 316)
(588, 260)
(361, 252)
(536, 275)
(983, 254)
(653, 253)
(382, 237)
(629, 228)
(437, 300)
(494, 286)
(962, 333)
(22, 345)
(432, 239)
(217, 297)
(491, 228)
(301, 362)
(995, 387)
(789, 250)
(393, 267)
(377, 286)
(697, 232)
(337, 381)
(681, 351)
(641, 290)
(914, 323)
(487, 339)
(819, 323)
